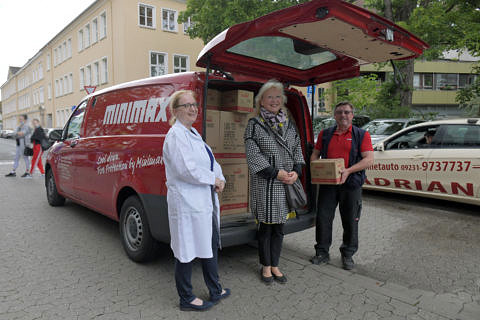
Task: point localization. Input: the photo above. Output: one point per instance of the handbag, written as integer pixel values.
(296, 196)
(28, 152)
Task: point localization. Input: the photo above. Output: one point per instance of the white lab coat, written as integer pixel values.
(189, 195)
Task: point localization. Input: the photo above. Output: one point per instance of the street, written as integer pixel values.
(418, 259)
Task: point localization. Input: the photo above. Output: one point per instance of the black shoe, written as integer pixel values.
(220, 297)
(26, 174)
(281, 279)
(348, 263)
(267, 280)
(192, 307)
(320, 259)
(11, 174)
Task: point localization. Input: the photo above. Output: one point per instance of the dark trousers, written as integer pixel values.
(350, 206)
(183, 273)
(270, 238)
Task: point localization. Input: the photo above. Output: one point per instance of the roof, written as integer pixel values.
(12, 71)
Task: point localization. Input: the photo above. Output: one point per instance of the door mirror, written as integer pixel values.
(55, 135)
(379, 147)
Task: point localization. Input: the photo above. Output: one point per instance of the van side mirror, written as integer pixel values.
(379, 147)
(55, 135)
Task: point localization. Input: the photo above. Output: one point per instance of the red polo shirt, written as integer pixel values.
(341, 144)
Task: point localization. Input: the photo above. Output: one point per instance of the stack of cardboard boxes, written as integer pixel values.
(227, 116)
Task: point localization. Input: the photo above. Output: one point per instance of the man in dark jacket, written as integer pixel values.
(354, 145)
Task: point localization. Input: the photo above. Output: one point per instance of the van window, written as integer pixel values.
(73, 130)
(285, 51)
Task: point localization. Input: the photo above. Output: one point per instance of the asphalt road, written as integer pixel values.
(418, 259)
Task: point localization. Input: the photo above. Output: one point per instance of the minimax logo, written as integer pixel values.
(151, 110)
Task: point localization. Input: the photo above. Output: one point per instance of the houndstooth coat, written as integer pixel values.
(267, 196)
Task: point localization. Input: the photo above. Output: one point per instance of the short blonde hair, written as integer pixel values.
(272, 83)
(175, 101)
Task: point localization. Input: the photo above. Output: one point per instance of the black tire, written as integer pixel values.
(137, 239)
(53, 197)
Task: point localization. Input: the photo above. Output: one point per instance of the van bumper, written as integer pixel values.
(244, 232)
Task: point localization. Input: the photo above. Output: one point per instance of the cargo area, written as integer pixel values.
(229, 107)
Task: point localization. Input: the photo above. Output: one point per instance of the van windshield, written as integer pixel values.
(284, 51)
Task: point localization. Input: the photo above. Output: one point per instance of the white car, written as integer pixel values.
(379, 129)
(446, 168)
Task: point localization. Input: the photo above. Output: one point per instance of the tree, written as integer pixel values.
(444, 24)
(210, 17)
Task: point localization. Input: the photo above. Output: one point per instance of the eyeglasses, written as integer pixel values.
(188, 105)
(343, 111)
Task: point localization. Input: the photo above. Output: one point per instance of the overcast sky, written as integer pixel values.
(27, 25)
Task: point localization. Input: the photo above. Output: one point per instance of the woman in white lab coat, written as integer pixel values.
(193, 180)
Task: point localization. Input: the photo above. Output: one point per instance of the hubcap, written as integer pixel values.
(133, 229)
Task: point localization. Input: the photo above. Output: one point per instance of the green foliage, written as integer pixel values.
(210, 17)
(469, 97)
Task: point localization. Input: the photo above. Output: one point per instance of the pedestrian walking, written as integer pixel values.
(274, 157)
(354, 145)
(193, 180)
(37, 138)
(22, 139)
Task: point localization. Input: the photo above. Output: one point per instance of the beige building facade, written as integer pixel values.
(111, 42)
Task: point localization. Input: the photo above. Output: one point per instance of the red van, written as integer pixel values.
(109, 156)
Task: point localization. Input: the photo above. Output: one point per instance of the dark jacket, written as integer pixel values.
(38, 135)
(356, 179)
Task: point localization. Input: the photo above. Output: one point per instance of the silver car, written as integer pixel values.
(379, 129)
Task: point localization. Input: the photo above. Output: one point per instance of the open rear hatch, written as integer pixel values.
(311, 43)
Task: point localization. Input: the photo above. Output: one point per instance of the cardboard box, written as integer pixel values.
(238, 101)
(232, 130)
(234, 198)
(214, 99)
(212, 123)
(326, 171)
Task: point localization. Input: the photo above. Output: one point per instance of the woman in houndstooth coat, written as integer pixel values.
(271, 166)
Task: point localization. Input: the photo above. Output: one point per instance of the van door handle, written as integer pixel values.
(74, 143)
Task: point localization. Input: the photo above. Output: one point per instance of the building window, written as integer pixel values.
(80, 40)
(465, 80)
(86, 33)
(69, 48)
(49, 91)
(187, 25)
(158, 64)
(104, 70)
(64, 51)
(169, 20)
(180, 63)
(446, 81)
(94, 30)
(103, 25)
(146, 16)
(55, 57)
(82, 78)
(40, 71)
(96, 74)
(48, 61)
(88, 75)
(427, 81)
(70, 83)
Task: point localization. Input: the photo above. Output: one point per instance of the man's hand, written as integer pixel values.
(345, 173)
(219, 185)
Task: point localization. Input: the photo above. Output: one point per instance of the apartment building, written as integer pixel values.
(110, 42)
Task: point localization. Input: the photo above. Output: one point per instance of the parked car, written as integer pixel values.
(9, 134)
(6, 133)
(109, 156)
(445, 165)
(379, 129)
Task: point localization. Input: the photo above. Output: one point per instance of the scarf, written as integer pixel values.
(275, 121)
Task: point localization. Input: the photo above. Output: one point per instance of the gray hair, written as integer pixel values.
(272, 83)
(344, 103)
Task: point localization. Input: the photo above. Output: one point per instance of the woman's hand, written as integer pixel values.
(287, 177)
(219, 185)
(292, 177)
(282, 175)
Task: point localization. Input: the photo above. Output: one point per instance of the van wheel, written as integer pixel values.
(135, 231)
(53, 197)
